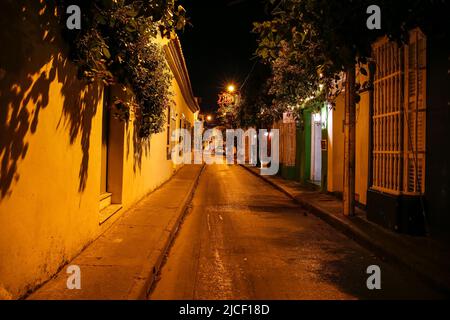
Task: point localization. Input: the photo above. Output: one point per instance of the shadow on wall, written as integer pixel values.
(31, 59)
(141, 148)
(136, 147)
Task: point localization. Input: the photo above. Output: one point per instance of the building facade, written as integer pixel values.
(402, 159)
(69, 169)
(402, 151)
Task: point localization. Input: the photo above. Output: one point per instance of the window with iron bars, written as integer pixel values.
(399, 116)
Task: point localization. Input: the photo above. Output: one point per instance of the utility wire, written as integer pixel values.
(248, 76)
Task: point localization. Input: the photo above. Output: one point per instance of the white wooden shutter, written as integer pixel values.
(399, 116)
(387, 120)
(415, 113)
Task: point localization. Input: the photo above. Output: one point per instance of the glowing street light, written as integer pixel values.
(209, 118)
(231, 88)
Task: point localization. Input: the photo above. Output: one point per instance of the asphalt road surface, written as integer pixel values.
(243, 239)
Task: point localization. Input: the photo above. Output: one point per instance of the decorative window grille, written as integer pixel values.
(399, 114)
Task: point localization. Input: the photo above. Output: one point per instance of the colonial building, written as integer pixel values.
(304, 147)
(402, 157)
(402, 151)
(69, 169)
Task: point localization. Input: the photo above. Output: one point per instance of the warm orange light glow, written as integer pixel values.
(209, 118)
(231, 88)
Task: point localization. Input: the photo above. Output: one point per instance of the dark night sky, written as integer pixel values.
(219, 47)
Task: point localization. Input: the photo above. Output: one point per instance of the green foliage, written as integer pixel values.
(229, 104)
(116, 45)
(311, 43)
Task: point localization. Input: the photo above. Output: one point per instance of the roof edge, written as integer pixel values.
(177, 63)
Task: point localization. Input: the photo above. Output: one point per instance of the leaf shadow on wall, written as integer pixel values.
(141, 148)
(29, 64)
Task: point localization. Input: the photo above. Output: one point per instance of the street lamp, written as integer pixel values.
(209, 118)
(231, 88)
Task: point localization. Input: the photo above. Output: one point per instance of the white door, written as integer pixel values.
(316, 148)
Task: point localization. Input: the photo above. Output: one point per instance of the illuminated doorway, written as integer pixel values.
(316, 148)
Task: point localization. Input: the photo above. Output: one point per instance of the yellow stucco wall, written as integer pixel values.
(50, 128)
(144, 175)
(362, 148)
(50, 139)
(336, 147)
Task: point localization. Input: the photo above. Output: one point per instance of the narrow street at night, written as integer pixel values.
(243, 239)
(225, 159)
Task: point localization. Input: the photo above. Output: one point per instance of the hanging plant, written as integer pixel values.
(117, 45)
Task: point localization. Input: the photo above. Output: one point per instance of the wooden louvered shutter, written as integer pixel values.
(415, 114)
(287, 140)
(290, 143)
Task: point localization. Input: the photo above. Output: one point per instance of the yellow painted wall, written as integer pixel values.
(147, 167)
(50, 139)
(362, 148)
(50, 134)
(336, 147)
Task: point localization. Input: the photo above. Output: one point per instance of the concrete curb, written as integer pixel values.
(345, 226)
(144, 283)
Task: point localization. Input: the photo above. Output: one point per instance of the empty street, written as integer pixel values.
(243, 239)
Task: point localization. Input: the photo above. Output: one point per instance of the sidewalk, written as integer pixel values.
(429, 259)
(123, 262)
